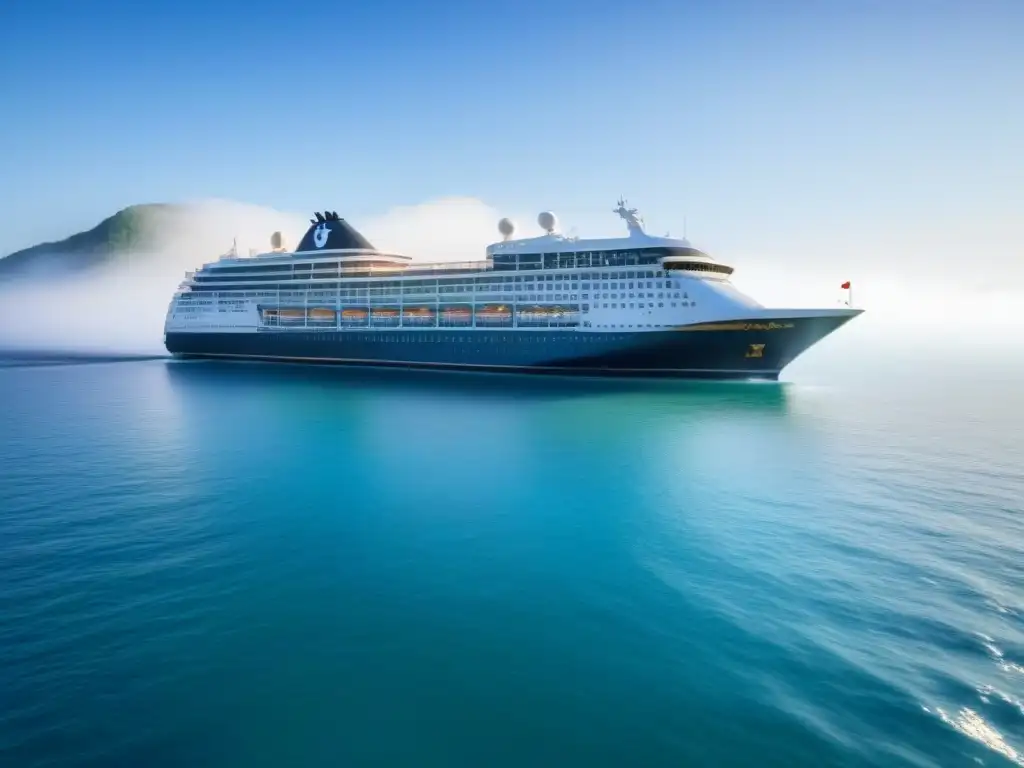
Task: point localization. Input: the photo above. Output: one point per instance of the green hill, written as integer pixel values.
(132, 229)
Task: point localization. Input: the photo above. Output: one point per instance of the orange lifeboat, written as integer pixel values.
(494, 312)
(322, 315)
(418, 315)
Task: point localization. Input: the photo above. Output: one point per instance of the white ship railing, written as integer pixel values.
(415, 266)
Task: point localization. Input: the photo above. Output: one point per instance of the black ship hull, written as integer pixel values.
(735, 349)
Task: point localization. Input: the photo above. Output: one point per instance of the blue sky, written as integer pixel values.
(751, 119)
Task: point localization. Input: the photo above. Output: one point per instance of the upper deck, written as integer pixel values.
(332, 249)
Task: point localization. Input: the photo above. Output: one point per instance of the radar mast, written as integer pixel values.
(634, 221)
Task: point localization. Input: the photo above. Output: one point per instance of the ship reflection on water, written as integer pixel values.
(465, 443)
(706, 395)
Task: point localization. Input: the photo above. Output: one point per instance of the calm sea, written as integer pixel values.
(211, 564)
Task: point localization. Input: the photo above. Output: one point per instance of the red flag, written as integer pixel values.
(845, 286)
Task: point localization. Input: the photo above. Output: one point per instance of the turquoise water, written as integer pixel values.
(251, 565)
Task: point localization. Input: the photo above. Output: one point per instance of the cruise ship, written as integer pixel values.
(636, 305)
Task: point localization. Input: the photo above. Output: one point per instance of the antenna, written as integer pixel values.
(684, 226)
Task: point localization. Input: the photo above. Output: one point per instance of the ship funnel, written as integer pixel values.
(330, 232)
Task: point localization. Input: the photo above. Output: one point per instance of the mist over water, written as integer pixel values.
(120, 307)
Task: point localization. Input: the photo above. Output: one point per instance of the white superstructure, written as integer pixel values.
(635, 283)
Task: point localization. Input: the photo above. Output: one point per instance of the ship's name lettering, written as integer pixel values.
(766, 326)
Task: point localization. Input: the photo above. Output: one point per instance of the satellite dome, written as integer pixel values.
(506, 227)
(277, 241)
(548, 221)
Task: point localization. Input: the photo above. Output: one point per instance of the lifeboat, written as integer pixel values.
(536, 310)
(387, 316)
(321, 315)
(459, 315)
(494, 312)
(418, 315)
(292, 314)
(353, 314)
(534, 314)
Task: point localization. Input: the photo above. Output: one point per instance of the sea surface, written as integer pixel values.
(208, 564)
